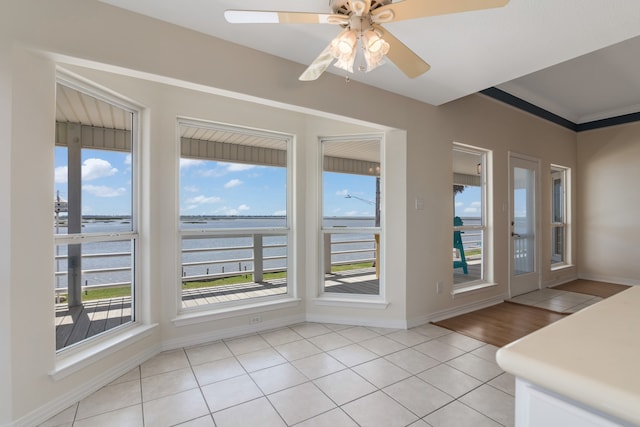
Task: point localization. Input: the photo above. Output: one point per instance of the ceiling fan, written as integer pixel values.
(361, 21)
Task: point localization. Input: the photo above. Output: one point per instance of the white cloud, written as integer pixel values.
(60, 176)
(191, 189)
(127, 159)
(104, 191)
(237, 167)
(233, 183)
(91, 169)
(471, 210)
(187, 163)
(97, 168)
(201, 200)
(459, 204)
(344, 192)
(351, 213)
(476, 204)
(232, 211)
(208, 173)
(280, 213)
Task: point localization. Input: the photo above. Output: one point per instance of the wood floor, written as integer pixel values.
(506, 322)
(502, 323)
(591, 287)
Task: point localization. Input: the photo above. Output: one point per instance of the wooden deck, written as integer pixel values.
(474, 270)
(362, 281)
(74, 324)
(217, 294)
(78, 323)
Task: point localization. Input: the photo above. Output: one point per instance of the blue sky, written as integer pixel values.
(217, 188)
(106, 181)
(468, 203)
(208, 187)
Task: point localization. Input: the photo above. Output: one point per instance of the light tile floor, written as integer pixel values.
(307, 375)
(557, 300)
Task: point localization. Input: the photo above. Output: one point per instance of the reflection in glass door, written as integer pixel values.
(524, 273)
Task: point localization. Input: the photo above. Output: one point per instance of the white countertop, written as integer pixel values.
(592, 356)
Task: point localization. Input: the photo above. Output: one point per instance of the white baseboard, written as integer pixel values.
(560, 281)
(62, 402)
(457, 311)
(610, 279)
(372, 321)
(236, 331)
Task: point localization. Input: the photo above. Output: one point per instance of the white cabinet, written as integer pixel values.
(537, 407)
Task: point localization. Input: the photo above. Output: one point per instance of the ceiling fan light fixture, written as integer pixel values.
(344, 44)
(374, 44)
(375, 48)
(346, 62)
(343, 48)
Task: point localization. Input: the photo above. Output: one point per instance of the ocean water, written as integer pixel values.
(218, 249)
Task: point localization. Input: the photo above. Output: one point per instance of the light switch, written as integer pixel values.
(419, 203)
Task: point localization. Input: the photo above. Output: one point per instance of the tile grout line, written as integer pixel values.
(377, 357)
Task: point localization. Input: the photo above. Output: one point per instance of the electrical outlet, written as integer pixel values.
(255, 319)
(439, 286)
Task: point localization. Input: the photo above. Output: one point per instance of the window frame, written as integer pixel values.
(70, 357)
(190, 315)
(486, 220)
(562, 174)
(351, 299)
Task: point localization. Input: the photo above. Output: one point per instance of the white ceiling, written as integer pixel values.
(547, 52)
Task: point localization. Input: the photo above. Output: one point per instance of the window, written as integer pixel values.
(94, 214)
(559, 224)
(351, 216)
(234, 215)
(470, 218)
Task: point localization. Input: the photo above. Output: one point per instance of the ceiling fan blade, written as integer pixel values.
(267, 17)
(318, 66)
(412, 9)
(404, 58)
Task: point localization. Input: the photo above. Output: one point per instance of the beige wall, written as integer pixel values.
(608, 204)
(142, 54)
(5, 229)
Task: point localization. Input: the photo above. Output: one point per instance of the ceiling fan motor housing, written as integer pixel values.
(343, 7)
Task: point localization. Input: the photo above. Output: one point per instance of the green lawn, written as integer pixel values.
(124, 291)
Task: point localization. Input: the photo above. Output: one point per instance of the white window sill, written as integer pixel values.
(561, 267)
(246, 309)
(472, 288)
(72, 360)
(362, 301)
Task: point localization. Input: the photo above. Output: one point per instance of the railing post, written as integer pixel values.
(327, 253)
(74, 178)
(257, 258)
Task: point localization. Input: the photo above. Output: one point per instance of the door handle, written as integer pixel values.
(515, 234)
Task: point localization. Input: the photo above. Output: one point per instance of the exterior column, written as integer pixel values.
(74, 260)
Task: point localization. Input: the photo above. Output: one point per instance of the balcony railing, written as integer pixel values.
(254, 262)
